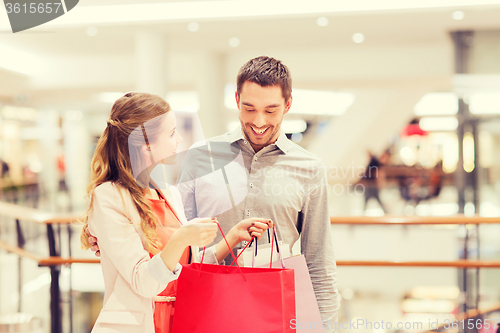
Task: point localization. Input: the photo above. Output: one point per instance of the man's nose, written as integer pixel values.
(259, 120)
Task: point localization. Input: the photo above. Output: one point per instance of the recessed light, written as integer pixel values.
(438, 123)
(458, 15)
(358, 38)
(322, 21)
(193, 26)
(92, 31)
(234, 42)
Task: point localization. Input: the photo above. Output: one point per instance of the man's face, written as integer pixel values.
(261, 113)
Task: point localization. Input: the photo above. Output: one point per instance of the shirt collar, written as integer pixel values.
(282, 143)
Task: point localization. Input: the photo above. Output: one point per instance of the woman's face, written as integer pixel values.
(165, 146)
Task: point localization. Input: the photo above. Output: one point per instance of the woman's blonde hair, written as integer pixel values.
(117, 151)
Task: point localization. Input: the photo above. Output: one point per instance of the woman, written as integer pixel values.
(144, 237)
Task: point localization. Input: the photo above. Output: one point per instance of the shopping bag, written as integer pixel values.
(228, 299)
(308, 318)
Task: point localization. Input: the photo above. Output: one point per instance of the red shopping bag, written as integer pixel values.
(227, 299)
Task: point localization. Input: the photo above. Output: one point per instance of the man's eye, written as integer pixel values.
(270, 111)
(250, 110)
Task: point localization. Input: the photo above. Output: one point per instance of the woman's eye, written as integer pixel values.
(171, 135)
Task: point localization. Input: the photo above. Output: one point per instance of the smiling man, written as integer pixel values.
(265, 174)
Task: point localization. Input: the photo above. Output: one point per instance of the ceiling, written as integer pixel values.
(402, 27)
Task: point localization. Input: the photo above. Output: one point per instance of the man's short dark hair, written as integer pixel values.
(266, 71)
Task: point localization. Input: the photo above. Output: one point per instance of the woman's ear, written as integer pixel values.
(145, 150)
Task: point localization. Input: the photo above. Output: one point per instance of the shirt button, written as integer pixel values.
(255, 158)
(245, 141)
(251, 185)
(248, 212)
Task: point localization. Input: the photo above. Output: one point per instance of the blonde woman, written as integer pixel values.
(144, 237)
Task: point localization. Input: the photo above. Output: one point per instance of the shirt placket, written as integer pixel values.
(252, 183)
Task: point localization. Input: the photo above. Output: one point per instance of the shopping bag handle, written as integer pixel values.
(236, 259)
(230, 251)
(275, 240)
(277, 249)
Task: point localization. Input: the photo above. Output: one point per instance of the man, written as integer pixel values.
(283, 181)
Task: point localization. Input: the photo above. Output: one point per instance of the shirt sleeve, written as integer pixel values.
(121, 245)
(210, 255)
(317, 247)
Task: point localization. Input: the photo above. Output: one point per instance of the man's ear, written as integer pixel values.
(237, 97)
(288, 105)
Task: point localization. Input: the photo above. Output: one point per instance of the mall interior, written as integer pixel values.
(410, 89)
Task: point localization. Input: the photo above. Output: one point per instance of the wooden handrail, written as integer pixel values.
(50, 261)
(412, 220)
(35, 215)
(56, 261)
(457, 263)
(20, 252)
(473, 313)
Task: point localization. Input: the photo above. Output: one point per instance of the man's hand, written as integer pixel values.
(93, 240)
(247, 229)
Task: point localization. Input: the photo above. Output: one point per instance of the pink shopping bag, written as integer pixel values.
(308, 316)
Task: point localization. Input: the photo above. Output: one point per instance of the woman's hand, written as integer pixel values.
(93, 241)
(198, 232)
(245, 230)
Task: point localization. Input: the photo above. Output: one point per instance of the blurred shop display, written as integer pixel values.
(437, 300)
(20, 323)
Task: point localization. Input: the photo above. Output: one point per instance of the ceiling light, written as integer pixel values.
(193, 26)
(293, 126)
(484, 103)
(439, 123)
(320, 102)
(358, 38)
(92, 31)
(234, 42)
(322, 21)
(458, 15)
(433, 104)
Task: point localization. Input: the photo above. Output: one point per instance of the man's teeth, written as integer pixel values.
(259, 131)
